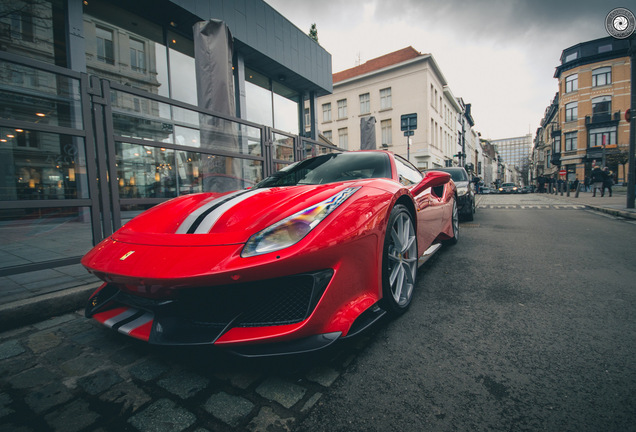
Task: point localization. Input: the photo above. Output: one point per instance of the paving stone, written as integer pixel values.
(124, 356)
(229, 409)
(311, 402)
(163, 416)
(42, 341)
(5, 400)
(14, 428)
(87, 336)
(72, 417)
(244, 380)
(81, 365)
(54, 322)
(128, 395)
(99, 381)
(184, 384)
(47, 397)
(285, 393)
(323, 375)
(10, 349)
(148, 370)
(15, 365)
(62, 353)
(35, 377)
(267, 420)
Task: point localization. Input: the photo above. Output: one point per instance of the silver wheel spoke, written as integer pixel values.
(402, 256)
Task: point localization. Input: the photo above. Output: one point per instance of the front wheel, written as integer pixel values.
(399, 261)
(454, 224)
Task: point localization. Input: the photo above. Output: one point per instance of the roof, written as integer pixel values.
(378, 63)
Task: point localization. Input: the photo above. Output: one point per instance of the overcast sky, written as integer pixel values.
(498, 55)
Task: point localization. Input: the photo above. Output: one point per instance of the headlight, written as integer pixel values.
(291, 230)
(461, 191)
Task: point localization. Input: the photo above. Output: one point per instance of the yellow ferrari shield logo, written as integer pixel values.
(126, 255)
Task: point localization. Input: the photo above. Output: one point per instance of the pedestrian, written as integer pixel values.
(575, 184)
(608, 180)
(596, 178)
(586, 183)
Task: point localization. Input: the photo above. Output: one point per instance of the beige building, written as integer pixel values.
(385, 88)
(594, 93)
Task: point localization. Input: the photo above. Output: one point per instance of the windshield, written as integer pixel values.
(330, 168)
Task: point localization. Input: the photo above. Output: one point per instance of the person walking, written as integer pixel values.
(608, 180)
(596, 178)
(586, 183)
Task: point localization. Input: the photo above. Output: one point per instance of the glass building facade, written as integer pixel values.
(102, 121)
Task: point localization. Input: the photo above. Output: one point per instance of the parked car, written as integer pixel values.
(315, 253)
(508, 188)
(465, 191)
(485, 190)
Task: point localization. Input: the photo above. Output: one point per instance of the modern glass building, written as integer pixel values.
(101, 117)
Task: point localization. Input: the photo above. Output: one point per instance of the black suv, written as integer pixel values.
(465, 193)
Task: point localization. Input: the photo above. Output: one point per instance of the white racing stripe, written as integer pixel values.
(144, 319)
(187, 223)
(119, 318)
(206, 225)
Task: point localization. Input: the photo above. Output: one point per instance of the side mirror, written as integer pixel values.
(431, 179)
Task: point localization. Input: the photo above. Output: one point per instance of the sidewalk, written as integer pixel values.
(615, 205)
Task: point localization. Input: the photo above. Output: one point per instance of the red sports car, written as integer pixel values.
(314, 253)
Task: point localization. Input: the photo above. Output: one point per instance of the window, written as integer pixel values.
(137, 56)
(329, 135)
(432, 95)
(326, 112)
(556, 144)
(342, 108)
(602, 76)
(572, 56)
(571, 83)
(571, 112)
(22, 25)
(307, 119)
(407, 173)
(387, 133)
(343, 138)
(105, 48)
(385, 98)
(570, 141)
(603, 136)
(602, 105)
(365, 103)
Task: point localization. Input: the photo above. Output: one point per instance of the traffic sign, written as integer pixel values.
(562, 173)
(409, 133)
(408, 122)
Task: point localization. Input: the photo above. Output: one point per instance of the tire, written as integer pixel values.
(455, 225)
(399, 261)
(469, 216)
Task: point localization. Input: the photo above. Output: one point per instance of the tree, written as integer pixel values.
(313, 32)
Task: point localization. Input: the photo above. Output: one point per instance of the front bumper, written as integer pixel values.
(202, 315)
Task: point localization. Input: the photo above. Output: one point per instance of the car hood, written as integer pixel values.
(210, 219)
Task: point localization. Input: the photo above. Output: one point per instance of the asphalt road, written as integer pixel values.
(527, 324)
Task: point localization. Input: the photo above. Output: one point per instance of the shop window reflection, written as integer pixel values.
(39, 165)
(145, 171)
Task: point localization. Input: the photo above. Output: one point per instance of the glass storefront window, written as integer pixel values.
(37, 96)
(40, 165)
(212, 173)
(283, 147)
(145, 171)
(32, 235)
(285, 109)
(183, 83)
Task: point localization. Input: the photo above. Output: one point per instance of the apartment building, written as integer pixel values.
(594, 89)
(383, 89)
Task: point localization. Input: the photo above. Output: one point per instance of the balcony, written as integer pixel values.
(600, 119)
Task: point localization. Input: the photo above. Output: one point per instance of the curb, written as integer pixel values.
(25, 312)
(613, 212)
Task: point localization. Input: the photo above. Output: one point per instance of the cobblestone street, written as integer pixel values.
(69, 374)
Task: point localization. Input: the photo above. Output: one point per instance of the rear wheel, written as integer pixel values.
(399, 261)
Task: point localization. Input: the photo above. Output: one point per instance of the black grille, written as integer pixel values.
(271, 302)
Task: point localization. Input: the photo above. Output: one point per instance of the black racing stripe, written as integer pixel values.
(127, 320)
(203, 215)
